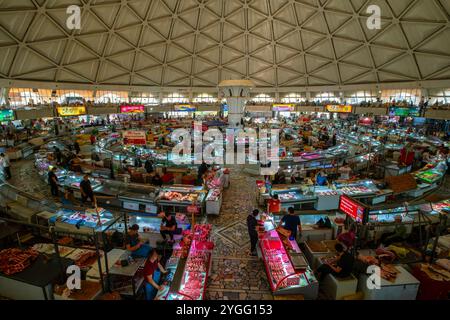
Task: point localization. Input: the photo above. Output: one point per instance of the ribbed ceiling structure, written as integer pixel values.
(198, 43)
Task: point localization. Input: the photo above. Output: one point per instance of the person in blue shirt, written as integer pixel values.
(321, 179)
(292, 223)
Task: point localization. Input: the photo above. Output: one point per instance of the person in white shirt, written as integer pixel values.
(345, 171)
(6, 166)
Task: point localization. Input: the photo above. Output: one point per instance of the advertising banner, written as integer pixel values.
(339, 108)
(71, 111)
(132, 109)
(184, 107)
(134, 138)
(352, 208)
(283, 107)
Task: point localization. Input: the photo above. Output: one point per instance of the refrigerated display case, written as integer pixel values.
(430, 176)
(285, 265)
(357, 189)
(178, 199)
(191, 275)
(81, 221)
(292, 196)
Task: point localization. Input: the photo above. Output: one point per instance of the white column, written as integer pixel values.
(236, 106)
(5, 95)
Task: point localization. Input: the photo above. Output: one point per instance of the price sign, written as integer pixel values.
(352, 208)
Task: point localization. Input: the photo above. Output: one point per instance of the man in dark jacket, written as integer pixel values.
(252, 223)
(148, 166)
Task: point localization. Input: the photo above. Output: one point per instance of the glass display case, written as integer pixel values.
(87, 221)
(408, 214)
(73, 181)
(189, 280)
(359, 188)
(181, 195)
(278, 257)
(179, 199)
(293, 197)
(430, 176)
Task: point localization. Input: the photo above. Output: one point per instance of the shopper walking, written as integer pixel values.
(86, 190)
(53, 182)
(6, 166)
(252, 223)
(292, 223)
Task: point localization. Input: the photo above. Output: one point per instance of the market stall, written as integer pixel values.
(287, 269)
(179, 198)
(189, 266)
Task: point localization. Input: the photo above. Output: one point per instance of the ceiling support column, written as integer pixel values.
(236, 92)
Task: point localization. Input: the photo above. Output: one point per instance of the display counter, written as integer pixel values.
(323, 198)
(178, 198)
(189, 271)
(286, 267)
(404, 287)
(66, 220)
(36, 281)
(291, 196)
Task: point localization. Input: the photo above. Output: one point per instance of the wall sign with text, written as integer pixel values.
(339, 108)
(71, 111)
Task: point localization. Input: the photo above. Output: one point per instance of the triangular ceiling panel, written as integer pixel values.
(6, 59)
(274, 42)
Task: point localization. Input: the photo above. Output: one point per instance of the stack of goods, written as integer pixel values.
(193, 284)
(280, 266)
(83, 258)
(355, 190)
(213, 195)
(214, 183)
(389, 272)
(327, 193)
(49, 249)
(202, 232)
(15, 260)
(197, 262)
(185, 244)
